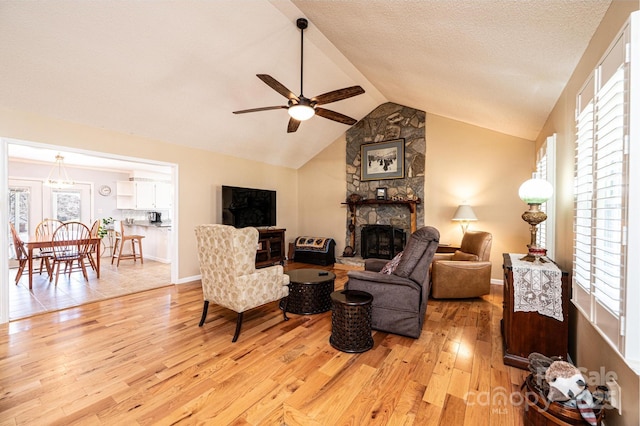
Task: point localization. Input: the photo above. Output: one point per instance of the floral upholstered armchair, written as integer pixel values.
(229, 278)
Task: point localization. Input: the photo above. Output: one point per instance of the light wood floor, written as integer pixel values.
(142, 359)
(129, 277)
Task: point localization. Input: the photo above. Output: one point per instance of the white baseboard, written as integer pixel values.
(191, 279)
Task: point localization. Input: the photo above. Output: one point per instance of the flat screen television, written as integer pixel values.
(242, 207)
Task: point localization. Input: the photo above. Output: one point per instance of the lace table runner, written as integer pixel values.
(537, 287)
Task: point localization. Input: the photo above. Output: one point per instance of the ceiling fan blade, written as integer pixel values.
(338, 95)
(293, 125)
(335, 116)
(260, 109)
(277, 86)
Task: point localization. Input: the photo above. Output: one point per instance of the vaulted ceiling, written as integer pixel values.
(175, 70)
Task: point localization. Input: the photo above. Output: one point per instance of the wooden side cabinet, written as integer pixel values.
(526, 332)
(271, 244)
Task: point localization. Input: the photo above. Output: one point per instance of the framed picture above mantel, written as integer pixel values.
(382, 160)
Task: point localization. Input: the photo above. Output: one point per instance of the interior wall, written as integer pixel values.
(321, 189)
(102, 207)
(463, 162)
(587, 348)
(200, 174)
(485, 169)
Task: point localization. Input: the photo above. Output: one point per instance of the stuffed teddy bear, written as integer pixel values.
(563, 382)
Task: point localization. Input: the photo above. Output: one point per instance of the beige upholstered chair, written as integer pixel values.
(229, 277)
(465, 273)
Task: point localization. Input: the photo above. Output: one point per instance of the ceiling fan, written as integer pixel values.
(301, 108)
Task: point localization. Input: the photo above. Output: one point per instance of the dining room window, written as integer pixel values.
(74, 203)
(19, 209)
(67, 205)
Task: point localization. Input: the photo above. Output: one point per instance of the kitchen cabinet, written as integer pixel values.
(143, 195)
(125, 195)
(164, 195)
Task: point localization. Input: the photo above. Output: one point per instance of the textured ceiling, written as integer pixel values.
(175, 70)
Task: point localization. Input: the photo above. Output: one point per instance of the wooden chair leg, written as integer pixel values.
(120, 252)
(140, 247)
(84, 269)
(117, 243)
(48, 265)
(284, 304)
(205, 308)
(21, 267)
(133, 250)
(238, 326)
(58, 273)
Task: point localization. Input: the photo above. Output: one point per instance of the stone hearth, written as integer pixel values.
(387, 122)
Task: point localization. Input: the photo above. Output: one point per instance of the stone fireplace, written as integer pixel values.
(387, 122)
(381, 241)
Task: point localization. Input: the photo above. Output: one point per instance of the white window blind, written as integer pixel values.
(600, 190)
(583, 189)
(545, 169)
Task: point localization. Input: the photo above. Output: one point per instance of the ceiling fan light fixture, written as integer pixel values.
(301, 108)
(301, 112)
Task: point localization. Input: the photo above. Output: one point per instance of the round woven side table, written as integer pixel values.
(351, 321)
(309, 291)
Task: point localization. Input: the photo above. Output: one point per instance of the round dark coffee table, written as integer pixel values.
(309, 291)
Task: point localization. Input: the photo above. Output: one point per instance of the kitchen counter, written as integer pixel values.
(146, 223)
(158, 239)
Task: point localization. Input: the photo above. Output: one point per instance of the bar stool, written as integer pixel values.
(121, 240)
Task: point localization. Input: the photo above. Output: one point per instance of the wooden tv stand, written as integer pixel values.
(271, 245)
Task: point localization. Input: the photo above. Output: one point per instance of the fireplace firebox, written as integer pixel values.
(381, 241)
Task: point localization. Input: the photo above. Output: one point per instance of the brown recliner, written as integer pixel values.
(465, 273)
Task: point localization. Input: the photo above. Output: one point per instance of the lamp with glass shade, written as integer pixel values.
(534, 192)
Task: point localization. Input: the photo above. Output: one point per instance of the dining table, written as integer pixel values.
(35, 242)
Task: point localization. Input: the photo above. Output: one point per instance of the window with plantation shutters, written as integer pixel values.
(545, 169)
(603, 192)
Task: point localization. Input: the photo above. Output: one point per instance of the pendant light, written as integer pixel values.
(58, 177)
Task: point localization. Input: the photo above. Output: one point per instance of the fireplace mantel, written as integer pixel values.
(353, 205)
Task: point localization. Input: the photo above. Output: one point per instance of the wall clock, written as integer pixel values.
(105, 190)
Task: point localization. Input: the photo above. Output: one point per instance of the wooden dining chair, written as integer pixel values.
(71, 243)
(122, 239)
(46, 228)
(22, 255)
(92, 247)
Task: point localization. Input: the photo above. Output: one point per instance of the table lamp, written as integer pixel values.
(535, 192)
(464, 214)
